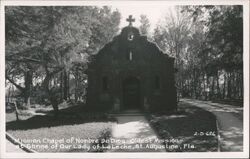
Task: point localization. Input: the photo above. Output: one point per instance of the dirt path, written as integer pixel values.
(137, 134)
(230, 123)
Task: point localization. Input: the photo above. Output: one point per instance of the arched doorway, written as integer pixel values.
(131, 93)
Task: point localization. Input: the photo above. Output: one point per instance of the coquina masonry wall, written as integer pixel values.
(130, 60)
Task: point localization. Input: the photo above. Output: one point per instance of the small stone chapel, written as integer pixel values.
(131, 73)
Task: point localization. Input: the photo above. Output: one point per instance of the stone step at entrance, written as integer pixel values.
(129, 112)
(123, 114)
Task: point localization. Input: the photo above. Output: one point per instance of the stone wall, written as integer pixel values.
(153, 69)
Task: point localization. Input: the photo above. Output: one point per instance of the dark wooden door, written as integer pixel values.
(131, 93)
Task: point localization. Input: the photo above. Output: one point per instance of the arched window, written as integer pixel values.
(130, 56)
(105, 83)
(157, 82)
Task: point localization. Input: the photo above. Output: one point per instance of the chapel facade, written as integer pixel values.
(131, 72)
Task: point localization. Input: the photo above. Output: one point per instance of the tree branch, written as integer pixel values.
(23, 59)
(13, 82)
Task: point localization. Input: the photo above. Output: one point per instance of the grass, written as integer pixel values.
(23, 115)
(34, 109)
(189, 125)
(37, 139)
(73, 123)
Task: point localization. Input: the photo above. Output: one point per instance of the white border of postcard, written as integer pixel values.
(244, 154)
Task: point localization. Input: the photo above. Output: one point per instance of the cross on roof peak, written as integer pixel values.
(130, 20)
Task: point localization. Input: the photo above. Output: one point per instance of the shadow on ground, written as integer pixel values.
(69, 116)
(190, 125)
(237, 111)
(232, 139)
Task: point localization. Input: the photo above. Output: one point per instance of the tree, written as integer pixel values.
(23, 29)
(225, 42)
(52, 41)
(172, 35)
(207, 44)
(145, 24)
(219, 60)
(88, 29)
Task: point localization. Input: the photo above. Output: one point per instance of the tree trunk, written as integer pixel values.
(238, 83)
(224, 85)
(241, 85)
(61, 86)
(28, 87)
(212, 91)
(54, 103)
(218, 85)
(65, 86)
(199, 90)
(68, 86)
(229, 86)
(204, 86)
(234, 85)
(195, 84)
(23, 90)
(52, 94)
(207, 87)
(76, 85)
(45, 84)
(16, 112)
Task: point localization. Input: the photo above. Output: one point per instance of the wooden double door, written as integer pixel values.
(131, 93)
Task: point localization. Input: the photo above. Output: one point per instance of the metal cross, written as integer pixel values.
(130, 20)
